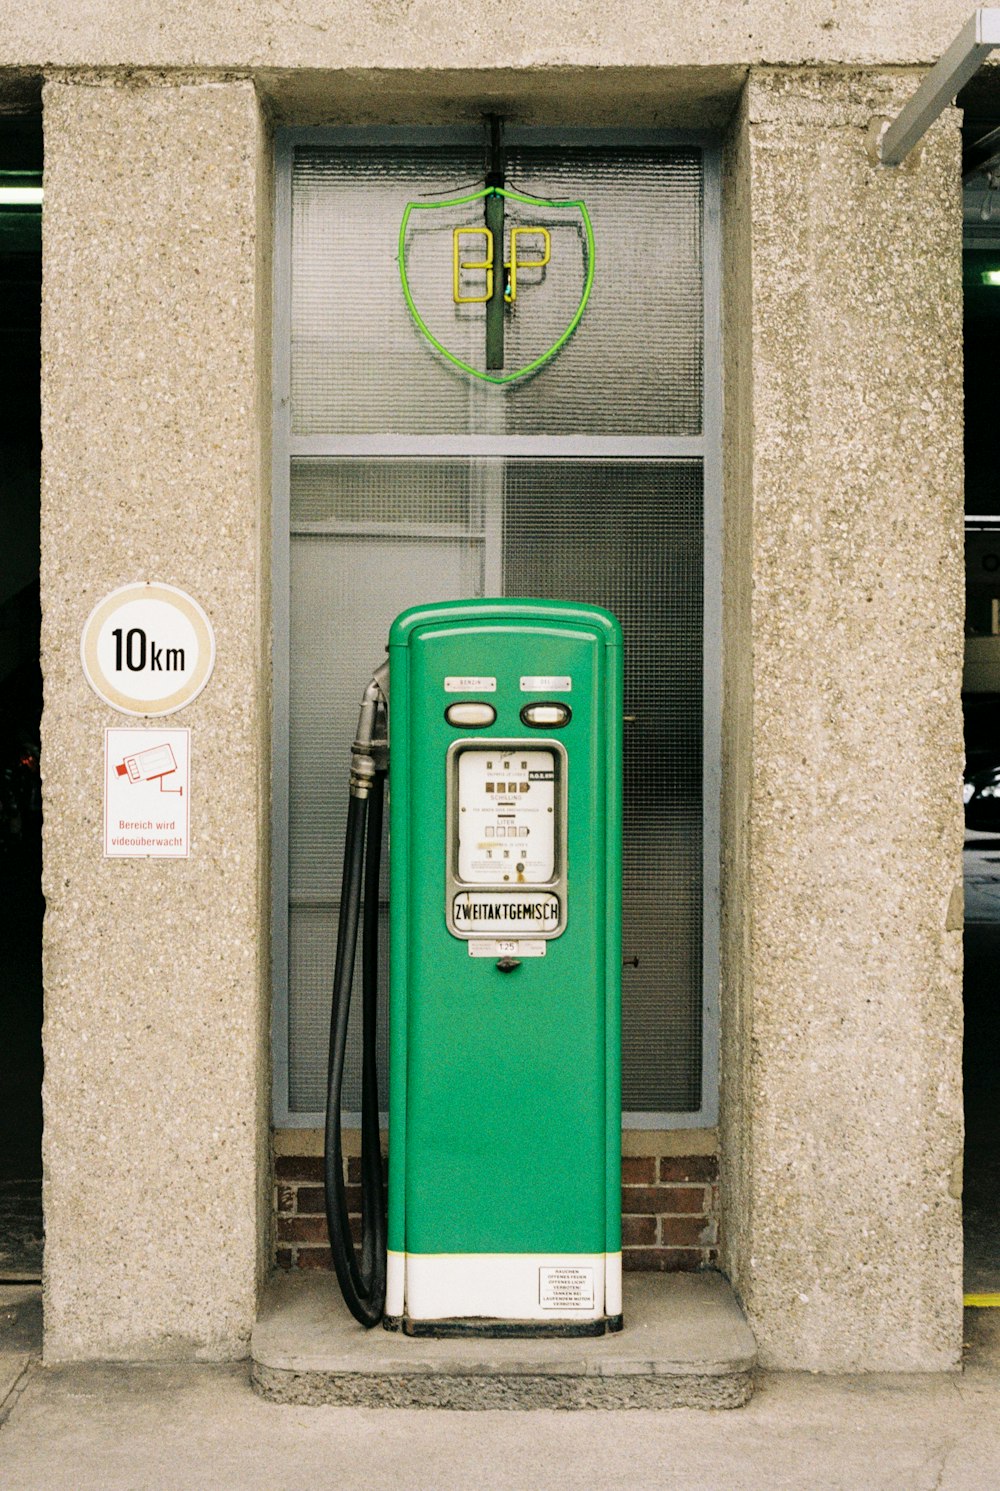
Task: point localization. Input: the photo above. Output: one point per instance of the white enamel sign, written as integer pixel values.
(147, 798)
(505, 911)
(147, 649)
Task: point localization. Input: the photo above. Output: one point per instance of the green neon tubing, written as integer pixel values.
(497, 191)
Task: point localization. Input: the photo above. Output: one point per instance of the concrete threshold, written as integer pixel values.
(685, 1344)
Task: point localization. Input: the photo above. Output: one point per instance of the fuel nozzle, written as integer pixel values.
(370, 751)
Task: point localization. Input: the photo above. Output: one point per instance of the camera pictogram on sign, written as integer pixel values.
(150, 766)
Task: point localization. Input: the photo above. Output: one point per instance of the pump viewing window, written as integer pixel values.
(401, 480)
(546, 716)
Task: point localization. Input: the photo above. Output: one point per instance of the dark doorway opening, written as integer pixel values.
(21, 905)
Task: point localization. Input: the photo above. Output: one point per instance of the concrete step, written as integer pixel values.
(685, 1345)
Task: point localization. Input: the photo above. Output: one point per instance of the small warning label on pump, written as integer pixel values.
(562, 1287)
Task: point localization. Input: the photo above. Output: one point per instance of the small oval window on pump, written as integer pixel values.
(547, 716)
(470, 712)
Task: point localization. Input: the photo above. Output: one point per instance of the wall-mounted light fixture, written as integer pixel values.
(20, 196)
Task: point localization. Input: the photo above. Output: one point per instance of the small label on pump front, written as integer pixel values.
(505, 911)
(546, 683)
(564, 1288)
(506, 948)
(468, 684)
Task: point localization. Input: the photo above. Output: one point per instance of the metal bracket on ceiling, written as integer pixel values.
(962, 60)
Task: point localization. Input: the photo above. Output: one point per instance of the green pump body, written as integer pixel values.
(505, 968)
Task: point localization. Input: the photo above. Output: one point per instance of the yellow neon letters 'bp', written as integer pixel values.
(458, 264)
(514, 263)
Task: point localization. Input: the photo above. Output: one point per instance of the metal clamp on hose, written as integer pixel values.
(362, 1283)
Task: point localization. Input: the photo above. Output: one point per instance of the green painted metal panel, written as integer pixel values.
(505, 1107)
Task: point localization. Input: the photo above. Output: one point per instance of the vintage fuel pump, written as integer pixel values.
(505, 968)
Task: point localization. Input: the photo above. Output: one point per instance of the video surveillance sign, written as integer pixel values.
(147, 800)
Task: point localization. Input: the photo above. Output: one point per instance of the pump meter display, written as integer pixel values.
(506, 838)
(506, 817)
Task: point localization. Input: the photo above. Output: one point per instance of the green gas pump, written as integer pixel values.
(505, 965)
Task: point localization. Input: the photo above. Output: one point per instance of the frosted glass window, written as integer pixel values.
(383, 527)
(622, 534)
(421, 540)
(628, 536)
(634, 364)
(359, 364)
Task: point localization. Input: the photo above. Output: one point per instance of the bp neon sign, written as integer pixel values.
(486, 262)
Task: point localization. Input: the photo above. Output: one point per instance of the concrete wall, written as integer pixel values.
(842, 1110)
(155, 420)
(841, 1124)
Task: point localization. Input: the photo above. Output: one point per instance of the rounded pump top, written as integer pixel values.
(500, 610)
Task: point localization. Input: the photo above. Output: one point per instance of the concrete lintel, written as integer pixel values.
(664, 97)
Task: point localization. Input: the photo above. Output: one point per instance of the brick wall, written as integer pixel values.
(670, 1210)
(301, 1235)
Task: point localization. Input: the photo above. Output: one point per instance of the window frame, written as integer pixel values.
(707, 448)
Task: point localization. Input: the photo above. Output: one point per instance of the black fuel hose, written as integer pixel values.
(362, 1284)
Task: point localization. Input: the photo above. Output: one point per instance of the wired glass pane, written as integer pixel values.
(628, 536)
(374, 534)
(623, 534)
(359, 363)
(351, 574)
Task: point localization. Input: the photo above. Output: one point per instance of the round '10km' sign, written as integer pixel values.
(147, 649)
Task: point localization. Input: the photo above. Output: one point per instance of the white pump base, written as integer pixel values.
(504, 1286)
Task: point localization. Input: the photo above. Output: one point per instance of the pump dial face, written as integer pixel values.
(506, 817)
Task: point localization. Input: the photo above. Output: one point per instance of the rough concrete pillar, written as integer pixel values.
(842, 1104)
(154, 348)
